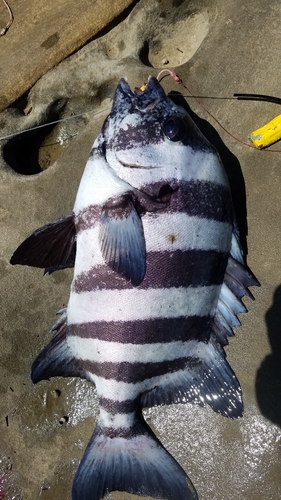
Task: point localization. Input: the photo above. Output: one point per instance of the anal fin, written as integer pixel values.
(56, 359)
(207, 379)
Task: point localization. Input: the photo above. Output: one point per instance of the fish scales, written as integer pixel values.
(158, 279)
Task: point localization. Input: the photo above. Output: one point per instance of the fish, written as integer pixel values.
(159, 274)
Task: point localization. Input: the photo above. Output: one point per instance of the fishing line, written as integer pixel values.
(9, 136)
(237, 96)
(259, 97)
(14, 134)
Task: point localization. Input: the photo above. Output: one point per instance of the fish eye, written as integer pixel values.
(174, 128)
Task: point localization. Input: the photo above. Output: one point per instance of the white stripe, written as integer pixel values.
(101, 351)
(88, 253)
(163, 232)
(190, 232)
(117, 391)
(125, 420)
(166, 161)
(99, 183)
(137, 304)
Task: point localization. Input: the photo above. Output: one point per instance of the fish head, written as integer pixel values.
(146, 130)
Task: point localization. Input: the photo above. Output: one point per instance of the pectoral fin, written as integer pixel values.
(122, 239)
(51, 247)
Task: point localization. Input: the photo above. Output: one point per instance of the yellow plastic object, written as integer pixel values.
(266, 135)
(142, 88)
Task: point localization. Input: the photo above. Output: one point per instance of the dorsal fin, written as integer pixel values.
(237, 279)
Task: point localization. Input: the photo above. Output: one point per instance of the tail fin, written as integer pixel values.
(133, 461)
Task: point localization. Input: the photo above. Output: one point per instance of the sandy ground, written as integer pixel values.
(218, 48)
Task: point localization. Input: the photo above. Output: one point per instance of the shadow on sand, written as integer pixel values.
(268, 381)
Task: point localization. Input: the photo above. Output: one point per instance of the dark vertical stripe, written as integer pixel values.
(114, 407)
(163, 270)
(147, 331)
(196, 198)
(128, 433)
(132, 373)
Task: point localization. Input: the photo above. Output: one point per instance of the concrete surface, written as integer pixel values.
(218, 48)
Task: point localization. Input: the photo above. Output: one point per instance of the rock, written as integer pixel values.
(223, 51)
(44, 33)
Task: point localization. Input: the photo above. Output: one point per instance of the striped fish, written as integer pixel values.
(158, 278)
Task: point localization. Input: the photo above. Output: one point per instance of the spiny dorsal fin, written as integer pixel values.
(237, 279)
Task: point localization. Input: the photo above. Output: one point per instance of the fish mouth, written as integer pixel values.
(134, 165)
(143, 100)
(146, 99)
(145, 108)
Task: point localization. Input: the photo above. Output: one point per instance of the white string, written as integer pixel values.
(9, 136)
